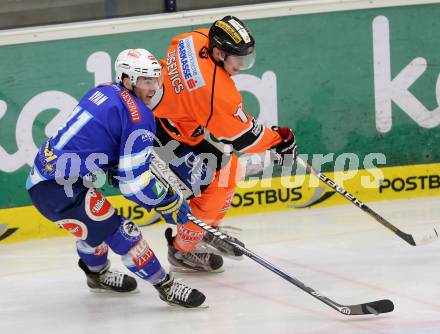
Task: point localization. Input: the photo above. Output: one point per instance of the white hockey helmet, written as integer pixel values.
(137, 63)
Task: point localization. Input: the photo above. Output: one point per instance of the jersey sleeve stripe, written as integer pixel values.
(74, 128)
(246, 139)
(136, 185)
(255, 142)
(231, 139)
(133, 161)
(33, 178)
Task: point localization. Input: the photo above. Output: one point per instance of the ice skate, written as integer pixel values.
(178, 294)
(108, 280)
(195, 261)
(219, 246)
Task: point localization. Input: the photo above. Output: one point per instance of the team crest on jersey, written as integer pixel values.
(188, 64)
(97, 206)
(132, 107)
(76, 227)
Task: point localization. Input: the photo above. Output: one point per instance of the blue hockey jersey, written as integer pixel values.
(110, 128)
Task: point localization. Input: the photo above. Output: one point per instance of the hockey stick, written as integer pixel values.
(426, 238)
(175, 181)
(163, 169)
(376, 307)
(421, 239)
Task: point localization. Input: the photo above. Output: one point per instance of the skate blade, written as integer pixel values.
(203, 306)
(106, 291)
(184, 270)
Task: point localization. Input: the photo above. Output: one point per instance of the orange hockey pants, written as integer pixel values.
(211, 206)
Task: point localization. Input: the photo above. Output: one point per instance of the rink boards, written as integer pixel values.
(321, 85)
(265, 195)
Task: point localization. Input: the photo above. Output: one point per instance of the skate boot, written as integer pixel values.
(195, 261)
(223, 248)
(108, 280)
(176, 293)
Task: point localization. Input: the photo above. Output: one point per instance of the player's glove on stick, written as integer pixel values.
(286, 150)
(174, 209)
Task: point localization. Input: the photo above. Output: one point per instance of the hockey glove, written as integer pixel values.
(286, 150)
(174, 208)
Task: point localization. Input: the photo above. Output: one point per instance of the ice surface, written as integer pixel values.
(340, 251)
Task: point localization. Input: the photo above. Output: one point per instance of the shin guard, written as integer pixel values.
(137, 255)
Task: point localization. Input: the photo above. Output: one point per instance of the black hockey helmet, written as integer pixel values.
(232, 37)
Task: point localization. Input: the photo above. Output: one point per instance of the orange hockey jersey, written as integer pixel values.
(199, 94)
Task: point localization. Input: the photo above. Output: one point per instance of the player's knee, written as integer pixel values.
(92, 219)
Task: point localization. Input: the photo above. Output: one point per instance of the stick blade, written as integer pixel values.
(378, 307)
(427, 238)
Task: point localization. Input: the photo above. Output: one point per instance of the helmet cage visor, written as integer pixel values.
(144, 82)
(244, 62)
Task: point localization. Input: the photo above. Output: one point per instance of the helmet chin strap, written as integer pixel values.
(133, 85)
(131, 90)
(131, 82)
(222, 58)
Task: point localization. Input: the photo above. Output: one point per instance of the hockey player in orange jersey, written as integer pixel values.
(200, 95)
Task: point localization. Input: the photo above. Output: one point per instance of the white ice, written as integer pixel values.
(340, 251)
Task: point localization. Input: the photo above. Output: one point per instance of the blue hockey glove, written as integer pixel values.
(174, 208)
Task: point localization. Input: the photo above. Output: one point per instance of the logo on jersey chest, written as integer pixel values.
(188, 64)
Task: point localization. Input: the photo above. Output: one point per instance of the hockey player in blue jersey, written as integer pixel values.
(112, 126)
